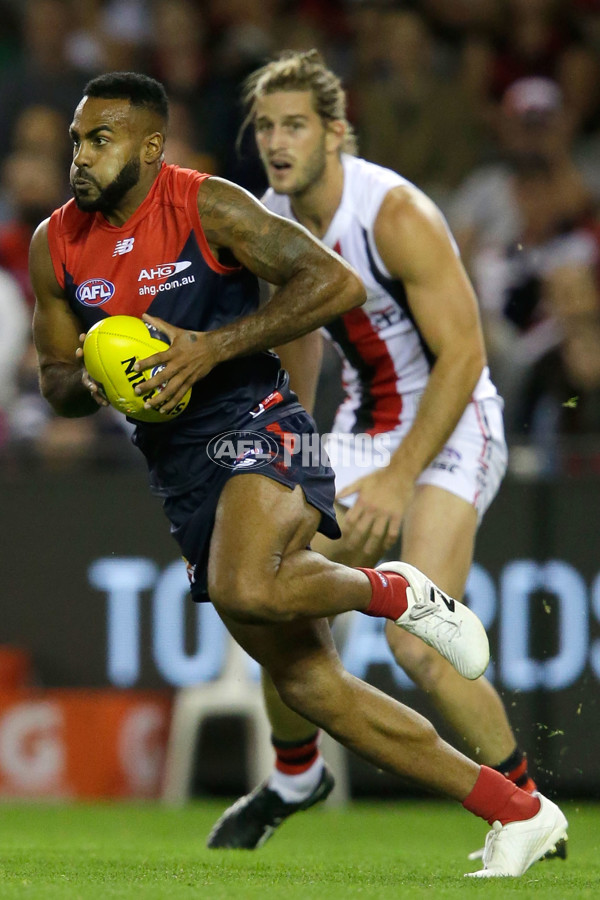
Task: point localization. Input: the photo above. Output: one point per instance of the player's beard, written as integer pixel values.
(109, 198)
(310, 174)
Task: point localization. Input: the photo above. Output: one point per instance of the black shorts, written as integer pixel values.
(282, 450)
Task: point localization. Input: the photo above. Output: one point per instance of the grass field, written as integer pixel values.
(375, 850)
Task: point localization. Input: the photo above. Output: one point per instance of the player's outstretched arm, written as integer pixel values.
(56, 336)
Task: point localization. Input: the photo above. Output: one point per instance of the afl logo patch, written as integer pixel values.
(242, 449)
(95, 291)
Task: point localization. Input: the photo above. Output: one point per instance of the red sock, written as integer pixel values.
(494, 797)
(388, 599)
(295, 757)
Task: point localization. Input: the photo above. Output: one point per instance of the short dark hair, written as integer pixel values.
(140, 90)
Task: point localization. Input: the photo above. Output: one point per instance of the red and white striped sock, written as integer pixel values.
(515, 769)
(298, 768)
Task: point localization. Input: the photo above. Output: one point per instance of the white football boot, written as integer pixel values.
(559, 851)
(449, 627)
(511, 849)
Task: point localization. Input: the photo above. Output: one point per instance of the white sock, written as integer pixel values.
(295, 788)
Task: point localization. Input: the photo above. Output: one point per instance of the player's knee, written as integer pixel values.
(245, 597)
(298, 696)
(311, 693)
(421, 663)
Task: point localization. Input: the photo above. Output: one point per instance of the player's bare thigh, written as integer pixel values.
(258, 522)
(438, 537)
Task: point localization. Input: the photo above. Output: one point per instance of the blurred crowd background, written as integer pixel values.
(491, 106)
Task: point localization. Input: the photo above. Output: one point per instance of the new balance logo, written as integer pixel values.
(449, 602)
(124, 246)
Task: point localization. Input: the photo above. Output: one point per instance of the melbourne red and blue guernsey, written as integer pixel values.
(160, 262)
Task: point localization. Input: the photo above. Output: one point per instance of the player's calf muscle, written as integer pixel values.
(321, 700)
(421, 663)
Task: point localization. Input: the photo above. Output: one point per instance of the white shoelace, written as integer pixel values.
(422, 610)
(490, 840)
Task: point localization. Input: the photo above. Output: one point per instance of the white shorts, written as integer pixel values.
(471, 465)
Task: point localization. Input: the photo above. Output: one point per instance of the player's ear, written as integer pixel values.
(336, 132)
(153, 147)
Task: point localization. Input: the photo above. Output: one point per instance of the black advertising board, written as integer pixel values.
(93, 587)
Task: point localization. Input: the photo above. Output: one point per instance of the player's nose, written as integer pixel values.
(81, 158)
(278, 138)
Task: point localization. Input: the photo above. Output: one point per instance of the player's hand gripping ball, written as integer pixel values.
(111, 348)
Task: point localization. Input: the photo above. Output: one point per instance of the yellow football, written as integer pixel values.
(111, 348)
